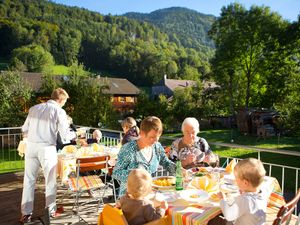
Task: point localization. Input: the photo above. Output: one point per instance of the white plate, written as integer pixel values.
(193, 195)
(168, 196)
(161, 187)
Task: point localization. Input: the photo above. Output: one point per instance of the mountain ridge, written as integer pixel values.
(189, 26)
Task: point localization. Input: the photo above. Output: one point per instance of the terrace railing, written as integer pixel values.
(288, 176)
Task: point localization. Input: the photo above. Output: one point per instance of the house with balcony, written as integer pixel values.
(124, 93)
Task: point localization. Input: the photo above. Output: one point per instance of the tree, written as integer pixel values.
(34, 57)
(15, 98)
(243, 40)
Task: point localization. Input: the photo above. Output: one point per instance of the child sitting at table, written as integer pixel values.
(249, 208)
(136, 207)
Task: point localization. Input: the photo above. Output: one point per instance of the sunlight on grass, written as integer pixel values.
(60, 70)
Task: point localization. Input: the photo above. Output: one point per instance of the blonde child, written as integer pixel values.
(134, 204)
(248, 208)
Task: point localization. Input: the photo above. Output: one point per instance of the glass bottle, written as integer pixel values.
(179, 177)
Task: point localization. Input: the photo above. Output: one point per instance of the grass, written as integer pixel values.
(281, 143)
(10, 161)
(60, 70)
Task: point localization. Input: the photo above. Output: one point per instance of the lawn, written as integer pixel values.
(280, 143)
(60, 70)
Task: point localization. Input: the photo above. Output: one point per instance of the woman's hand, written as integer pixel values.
(190, 159)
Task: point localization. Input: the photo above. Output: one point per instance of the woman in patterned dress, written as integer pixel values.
(190, 149)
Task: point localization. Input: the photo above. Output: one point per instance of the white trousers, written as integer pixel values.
(38, 154)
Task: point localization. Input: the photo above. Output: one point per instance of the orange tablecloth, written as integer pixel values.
(183, 213)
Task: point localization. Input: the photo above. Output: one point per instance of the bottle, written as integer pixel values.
(179, 178)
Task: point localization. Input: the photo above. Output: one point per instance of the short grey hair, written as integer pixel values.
(192, 122)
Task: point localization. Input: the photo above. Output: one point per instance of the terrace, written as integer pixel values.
(11, 183)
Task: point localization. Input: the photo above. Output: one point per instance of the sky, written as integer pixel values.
(288, 9)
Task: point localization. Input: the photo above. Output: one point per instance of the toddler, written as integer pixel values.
(248, 208)
(136, 207)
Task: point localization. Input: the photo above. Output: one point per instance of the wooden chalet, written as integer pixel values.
(124, 93)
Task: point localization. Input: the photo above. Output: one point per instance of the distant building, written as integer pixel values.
(167, 86)
(124, 93)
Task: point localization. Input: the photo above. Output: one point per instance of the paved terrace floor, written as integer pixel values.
(10, 200)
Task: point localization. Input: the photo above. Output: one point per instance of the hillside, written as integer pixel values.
(136, 50)
(186, 26)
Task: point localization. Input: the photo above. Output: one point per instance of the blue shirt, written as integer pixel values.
(130, 158)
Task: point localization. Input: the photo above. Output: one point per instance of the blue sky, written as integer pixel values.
(288, 9)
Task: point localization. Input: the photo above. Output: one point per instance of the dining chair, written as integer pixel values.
(112, 215)
(86, 183)
(285, 213)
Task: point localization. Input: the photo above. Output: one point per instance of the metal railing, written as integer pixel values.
(288, 176)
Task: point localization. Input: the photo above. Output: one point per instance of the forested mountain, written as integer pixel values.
(185, 26)
(138, 51)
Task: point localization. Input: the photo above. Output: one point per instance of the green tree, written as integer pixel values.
(15, 97)
(34, 57)
(243, 40)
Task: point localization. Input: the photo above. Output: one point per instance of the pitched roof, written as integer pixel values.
(172, 84)
(117, 86)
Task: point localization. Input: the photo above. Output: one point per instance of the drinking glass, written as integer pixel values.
(213, 160)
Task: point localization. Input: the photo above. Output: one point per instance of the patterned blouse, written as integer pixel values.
(130, 158)
(180, 151)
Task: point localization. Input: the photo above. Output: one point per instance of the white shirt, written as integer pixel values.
(44, 121)
(247, 209)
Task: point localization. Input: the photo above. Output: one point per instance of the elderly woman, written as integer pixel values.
(145, 152)
(190, 149)
(130, 129)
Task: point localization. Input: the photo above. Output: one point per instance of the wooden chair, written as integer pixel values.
(285, 213)
(111, 215)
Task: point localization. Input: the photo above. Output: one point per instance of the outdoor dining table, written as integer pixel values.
(66, 163)
(183, 212)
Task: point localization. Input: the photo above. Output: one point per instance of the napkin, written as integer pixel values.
(230, 167)
(22, 147)
(204, 183)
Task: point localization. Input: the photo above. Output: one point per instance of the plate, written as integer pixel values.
(193, 195)
(164, 182)
(168, 196)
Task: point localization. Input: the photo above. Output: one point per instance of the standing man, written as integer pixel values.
(41, 126)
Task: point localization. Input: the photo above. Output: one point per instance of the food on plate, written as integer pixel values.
(199, 174)
(202, 169)
(195, 196)
(97, 148)
(192, 195)
(69, 149)
(215, 197)
(164, 181)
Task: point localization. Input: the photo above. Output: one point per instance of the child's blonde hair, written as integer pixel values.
(251, 170)
(139, 183)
